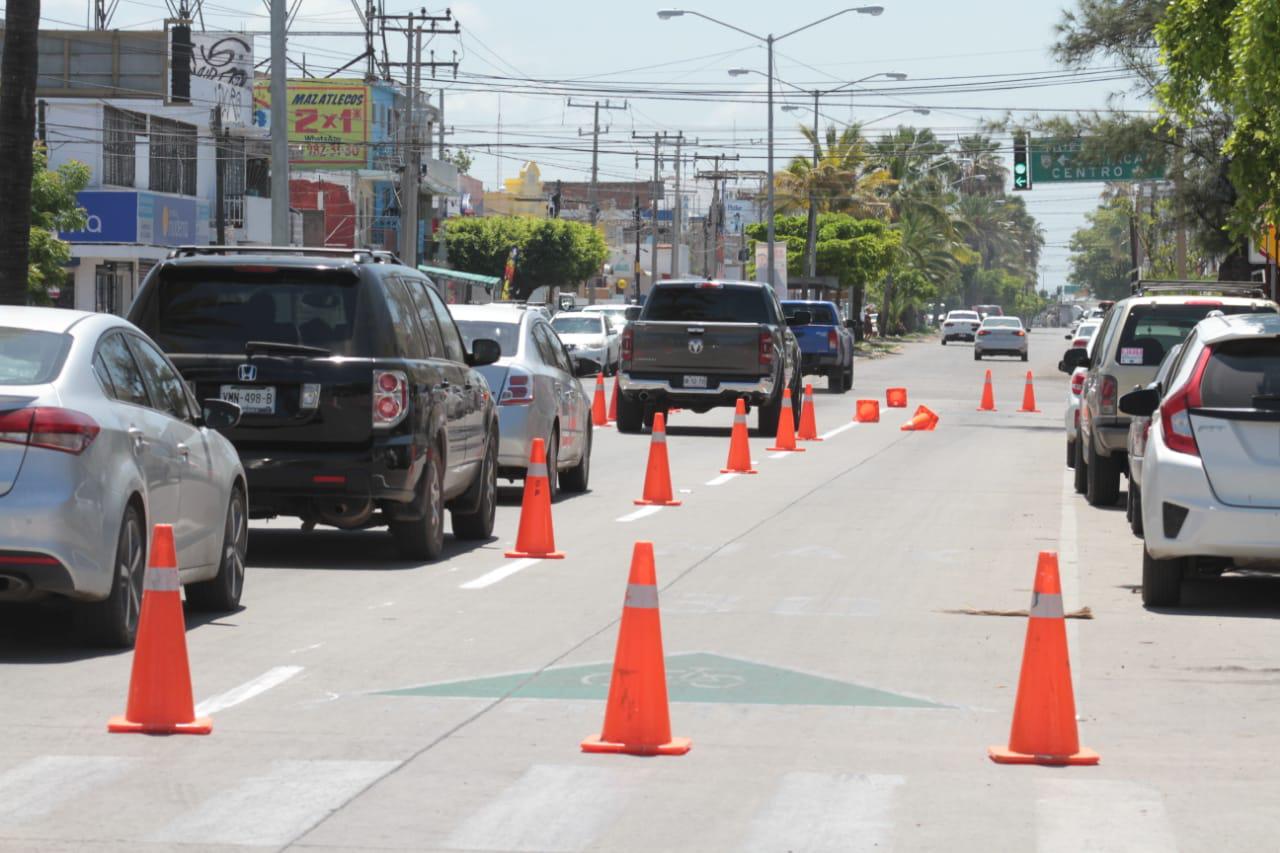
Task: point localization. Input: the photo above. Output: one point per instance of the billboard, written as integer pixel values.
(328, 121)
(165, 220)
(113, 218)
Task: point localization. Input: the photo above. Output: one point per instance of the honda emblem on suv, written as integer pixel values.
(695, 346)
(247, 372)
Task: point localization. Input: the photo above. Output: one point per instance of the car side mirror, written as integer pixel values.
(484, 351)
(583, 366)
(220, 414)
(850, 324)
(1073, 358)
(1067, 336)
(1140, 402)
(800, 318)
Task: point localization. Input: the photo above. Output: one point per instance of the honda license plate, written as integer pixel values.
(695, 381)
(252, 399)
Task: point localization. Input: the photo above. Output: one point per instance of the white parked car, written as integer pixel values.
(589, 336)
(1000, 336)
(960, 326)
(1082, 332)
(1139, 432)
(1211, 473)
(1071, 415)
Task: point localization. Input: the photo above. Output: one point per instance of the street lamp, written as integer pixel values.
(769, 40)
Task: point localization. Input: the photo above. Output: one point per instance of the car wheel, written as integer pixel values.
(553, 465)
(575, 479)
(797, 401)
(1161, 580)
(114, 620)
(977, 355)
(1071, 453)
(848, 376)
(423, 538)
(1102, 486)
(478, 525)
(630, 414)
(944, 342)
(767, 415)
(1024, 356)
(1135, 514)
(1081, 482)
(222, 591)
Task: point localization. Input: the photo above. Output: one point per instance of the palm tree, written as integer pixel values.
(980, 155)
(846, 178)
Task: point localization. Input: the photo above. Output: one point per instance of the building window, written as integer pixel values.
(120, 132)
(173, 157)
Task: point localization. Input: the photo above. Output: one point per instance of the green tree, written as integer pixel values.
(483, 244)
(53, 208)
(553, 252)
(847, 178)
(460, 158)
(1100, 253)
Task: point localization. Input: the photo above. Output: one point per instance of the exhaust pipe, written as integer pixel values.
(12, 585)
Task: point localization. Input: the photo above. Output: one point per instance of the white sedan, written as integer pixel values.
(960, 326)
(1071, 415)
(588, 336)
(1000, 336)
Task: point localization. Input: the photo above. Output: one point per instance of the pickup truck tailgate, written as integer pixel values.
(697, 348)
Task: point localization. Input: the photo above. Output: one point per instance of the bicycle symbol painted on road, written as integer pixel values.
(699, 677)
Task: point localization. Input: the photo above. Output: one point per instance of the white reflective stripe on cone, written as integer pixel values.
(641, 596)
(161, 580)
(536, 470)
(1046, 605)
(659, 438)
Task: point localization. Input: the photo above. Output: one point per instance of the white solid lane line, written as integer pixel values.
(42, 785)
(274, 809)
(838, 430)
(490, 578)
(1100, 815)
(721, 480)
(273, 677)
(642, 512)
(821, 811)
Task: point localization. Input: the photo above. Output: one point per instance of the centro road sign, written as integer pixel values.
(1055, 161)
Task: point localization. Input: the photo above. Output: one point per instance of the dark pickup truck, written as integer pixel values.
(705, 344)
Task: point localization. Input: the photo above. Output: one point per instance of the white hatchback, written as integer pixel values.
(1211, 475)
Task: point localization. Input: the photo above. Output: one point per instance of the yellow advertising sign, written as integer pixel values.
(328, 119)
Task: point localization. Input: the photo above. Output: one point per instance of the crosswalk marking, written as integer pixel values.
(550, 808)
(274, 809)
(820, 811)
(38, 787)
(1100, 815)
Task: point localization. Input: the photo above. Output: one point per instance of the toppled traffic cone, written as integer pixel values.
(160, 684)
(988, 403)
(739, 451)
(536, 538)
(786, 439)
(808, 417)
(657, 478)
(867, 412)
(636, 717)
(599, 412)
(613, 401)
(924, 420)
(895, 398)
(1029, 396)
(1044, 714)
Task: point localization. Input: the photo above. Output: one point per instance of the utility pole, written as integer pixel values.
(811, 243)
(280, 235)
(658, 188)
(442, 210)
(677, 215)
(220, 179)
(593, 199)
(716, 225)
(635, 279)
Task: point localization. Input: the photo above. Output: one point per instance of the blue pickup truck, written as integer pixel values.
(826, 345)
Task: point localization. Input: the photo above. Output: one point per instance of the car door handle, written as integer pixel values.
(184, 452)
(138, 438)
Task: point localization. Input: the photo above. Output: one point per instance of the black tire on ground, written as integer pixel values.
(1081, 481)
(221, 593)
(1135, 512)
(113, 622)
(1102, 486)
(576, 479)
(478, 525)
(848, 376)
(977, 355)
(1071, 453)
(944, 342)
(630, 414)
(767, 415)
(797, 401)
(553, 465)
(1024, 356)
(1162, 581)
(423, 538)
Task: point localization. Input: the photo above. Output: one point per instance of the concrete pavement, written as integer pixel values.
(365, 703)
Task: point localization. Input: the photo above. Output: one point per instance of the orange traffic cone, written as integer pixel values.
(657, 479)
(1029, 396)
(599, 412)
(808, 417)
(786, 439)
(988, 403)
(739, 451)
(160, 684)
(924, 420)
(1044, 715)
(613, 401)
(895, 398)
(867, 412)
(636, 717)
(536, 537)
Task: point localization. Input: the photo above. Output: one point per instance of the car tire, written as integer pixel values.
(1024, 356)
(630, 414)
(1081, 481)
(835, 380)
(848, 376)
(113, 622)
(767, 415)
(944, 342)
(1071, 453)
(222, 592)
(977, 355)
(423, 538)
(575, 480)
(478, 525)
(1135, 509)
(1102, 487)
(1162, 580)
(553, 465)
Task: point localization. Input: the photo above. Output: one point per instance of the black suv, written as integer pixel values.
(360, 403)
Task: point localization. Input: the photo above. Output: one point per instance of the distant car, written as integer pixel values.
(1071, 415)
(538, 392)
(589, 336)
(1000, 336)
(826, 345)
(960, 326)
(100, 440)
(1211, 473)
(1139, 432)
(617, 312)
(985, 311)
(1080, 335)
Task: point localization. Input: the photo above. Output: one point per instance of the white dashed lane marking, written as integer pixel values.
(271, 678)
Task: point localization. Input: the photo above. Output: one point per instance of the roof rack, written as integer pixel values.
(361, 256)
(1199, 288)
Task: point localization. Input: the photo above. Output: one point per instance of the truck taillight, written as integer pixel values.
(628, 345)
(50, 428)
(1175, 413)
(833, 340)
(518, 390)
(1107, 392)
(1077, 383)
(390, 398)
(766, 350)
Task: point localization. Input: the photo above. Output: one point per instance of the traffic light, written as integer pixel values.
(1021, 164)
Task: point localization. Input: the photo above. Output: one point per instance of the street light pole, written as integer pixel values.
(769, 211)
(811, 249)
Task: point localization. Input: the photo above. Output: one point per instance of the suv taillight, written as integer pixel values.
(766, 350)
(833, 340)
(1107, 391)
(390, 398)
(50, 428)
(1077, 382)
(1175, 413)
(628, 345)
(518, 390)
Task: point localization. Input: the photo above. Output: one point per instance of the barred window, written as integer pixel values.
(120, 132)
(173, 157)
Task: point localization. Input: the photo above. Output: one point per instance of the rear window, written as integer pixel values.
(506, 334)
(1002, 323)
(1243, 375)
(31, 358)
(962, 315)
(707, 305)
(578, 325)
(1150, 331)
(820, 315)
(217, 311)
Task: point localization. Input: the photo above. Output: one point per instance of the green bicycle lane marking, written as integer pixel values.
(694, 677)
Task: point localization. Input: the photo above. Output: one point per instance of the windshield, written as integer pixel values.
(578, 325)
(1150, 331)
(31, 358)
(506, 334)
(821, 315)
(1087, 331)
(707, 305)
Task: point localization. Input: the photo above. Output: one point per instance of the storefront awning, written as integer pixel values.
(489, 281)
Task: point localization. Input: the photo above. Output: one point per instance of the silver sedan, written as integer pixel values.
(1002, 336)
(99, 440)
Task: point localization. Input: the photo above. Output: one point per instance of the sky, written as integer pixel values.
(518, 60)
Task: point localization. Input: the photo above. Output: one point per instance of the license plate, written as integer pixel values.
(695, 381)
(252, 399)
